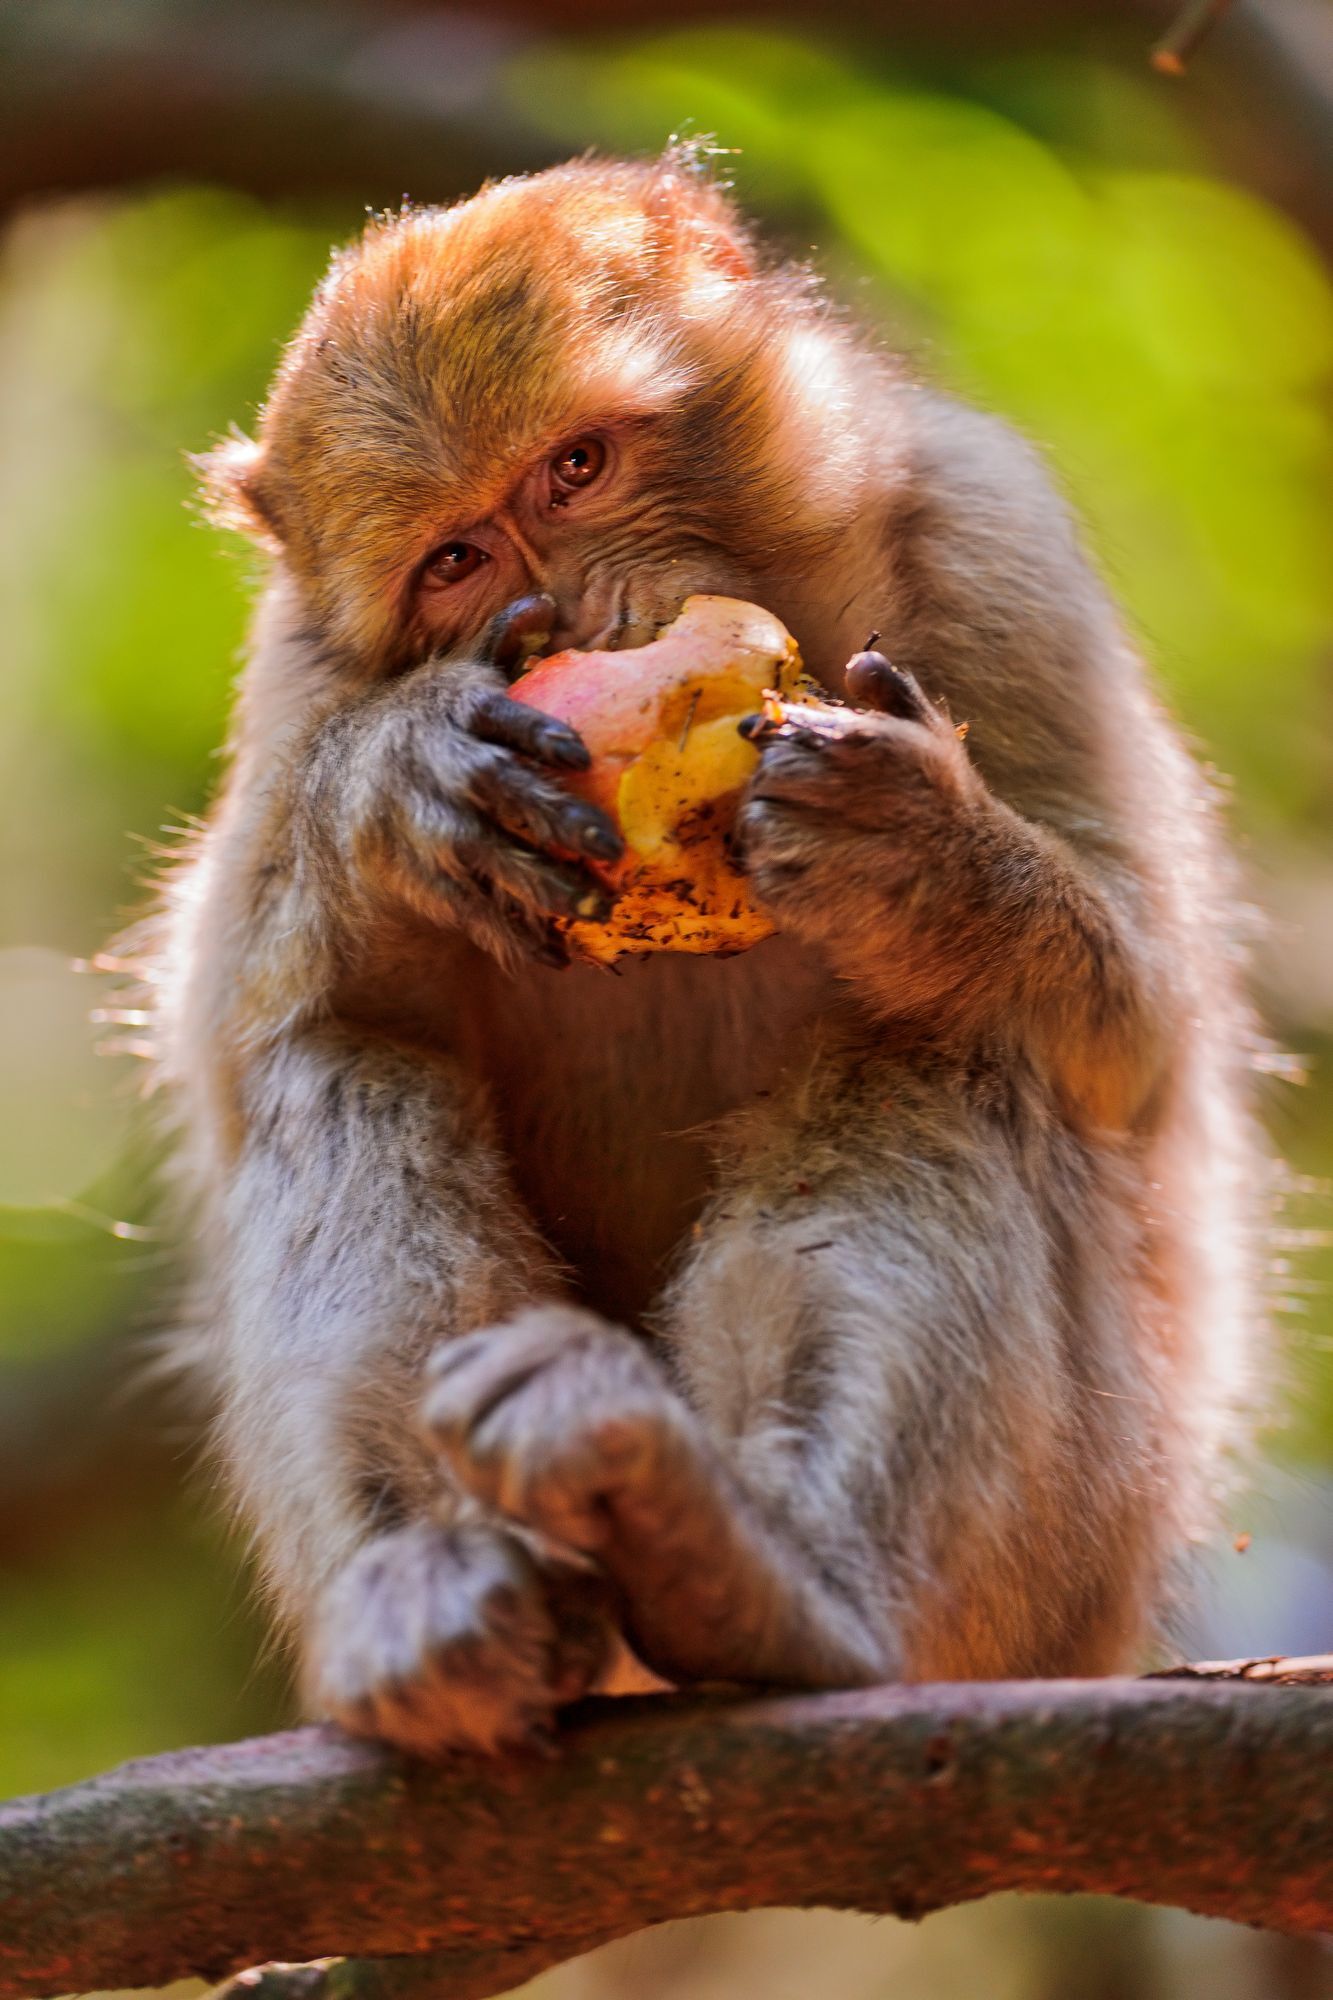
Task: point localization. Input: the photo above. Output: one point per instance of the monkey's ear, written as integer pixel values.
(697, 215)
(231, 480)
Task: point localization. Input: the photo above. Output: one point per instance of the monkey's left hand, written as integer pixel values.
(853, 810)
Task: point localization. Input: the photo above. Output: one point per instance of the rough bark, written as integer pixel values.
(1211, 1795)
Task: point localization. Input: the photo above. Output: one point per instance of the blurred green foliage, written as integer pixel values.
(1046, 239)
(134, 1642)
(1045, 235)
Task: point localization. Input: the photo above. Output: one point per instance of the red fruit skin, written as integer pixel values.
(712, 663)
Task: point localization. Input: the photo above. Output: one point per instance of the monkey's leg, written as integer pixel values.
(887, 1452)
(570, 1425)
(367, 1215)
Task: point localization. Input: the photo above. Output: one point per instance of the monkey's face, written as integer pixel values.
(588, 520)
(579, 383)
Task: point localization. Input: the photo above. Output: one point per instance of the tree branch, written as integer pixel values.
(1187, 31)
(1214, 1796)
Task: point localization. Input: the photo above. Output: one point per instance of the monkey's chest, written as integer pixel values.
(604, 1089)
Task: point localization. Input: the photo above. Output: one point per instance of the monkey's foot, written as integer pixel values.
(563, 1422)
(567, 1425)
(441, 1638)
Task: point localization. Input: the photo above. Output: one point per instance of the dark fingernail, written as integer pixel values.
(870, 666)
(563, 746)
(520, 629)
(599, 837)
(874, 682)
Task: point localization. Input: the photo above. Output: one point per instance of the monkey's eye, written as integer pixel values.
(577, 466)
(451, 563)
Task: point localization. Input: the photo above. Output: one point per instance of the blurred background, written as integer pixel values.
(1133, 266)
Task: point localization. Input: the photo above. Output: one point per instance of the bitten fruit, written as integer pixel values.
(668, 764)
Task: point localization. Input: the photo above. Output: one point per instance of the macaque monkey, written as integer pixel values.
(871, 1305)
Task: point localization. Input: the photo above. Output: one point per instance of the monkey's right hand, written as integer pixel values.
(459, 815)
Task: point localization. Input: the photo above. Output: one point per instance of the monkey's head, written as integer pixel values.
(584, 382)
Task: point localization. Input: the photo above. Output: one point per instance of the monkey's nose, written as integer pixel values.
(522, 629)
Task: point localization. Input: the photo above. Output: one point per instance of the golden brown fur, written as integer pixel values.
(927, 1217)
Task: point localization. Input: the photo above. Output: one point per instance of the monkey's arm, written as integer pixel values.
(366, 1215)
(355, 1204)
(431, 794)
(1011, 886)
(943, 907)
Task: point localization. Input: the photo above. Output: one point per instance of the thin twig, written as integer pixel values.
(1172, 53)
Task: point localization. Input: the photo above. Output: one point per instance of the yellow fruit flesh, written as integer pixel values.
(675, 803)
(670, 781)
(682, 764)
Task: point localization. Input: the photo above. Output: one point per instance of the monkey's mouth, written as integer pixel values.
(619, 631)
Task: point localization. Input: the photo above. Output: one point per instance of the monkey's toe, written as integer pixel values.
(559, 1421)
(438, 1639)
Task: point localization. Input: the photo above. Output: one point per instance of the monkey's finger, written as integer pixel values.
(499, 923)
(506, 1423)
(535, 881)
(519, 632)
(525, 803)
(490, 882)
(490, 714)
(467, 1377)
(874, 682)
(464, 1391)
(540, 937)
(807, 722)
(454, 770)
(504, 804)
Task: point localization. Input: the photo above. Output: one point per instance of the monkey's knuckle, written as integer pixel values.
(444, 756)
(757, 822)
(436, 825)
(774, 843)
(537, 805)
(451, 1355)
(493, 770)
(483, 856)
(796, 764)
(443, 1422)
(533, 885)
(452, 1430)
(471, 698)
